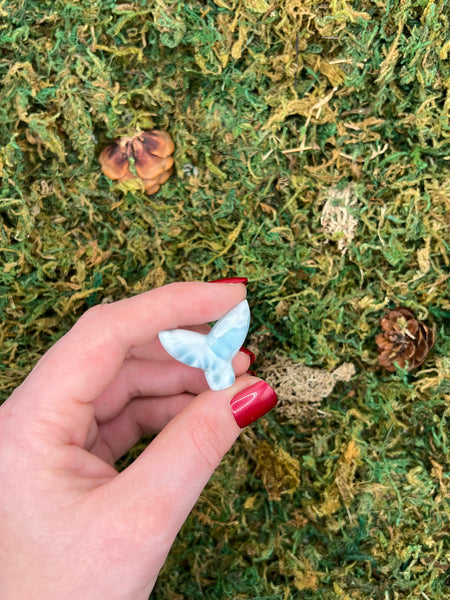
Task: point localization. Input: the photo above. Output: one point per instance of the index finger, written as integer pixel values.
(79, 366)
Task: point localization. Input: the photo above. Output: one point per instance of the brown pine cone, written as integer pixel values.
(151, 151)
(405, 340)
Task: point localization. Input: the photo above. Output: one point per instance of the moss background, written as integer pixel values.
(274, 108)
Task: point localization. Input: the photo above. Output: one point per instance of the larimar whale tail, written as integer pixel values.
(213, 352)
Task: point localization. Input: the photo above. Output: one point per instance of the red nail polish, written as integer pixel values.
(248, 353)
(252, 373)
(252, 403)
(243, 280)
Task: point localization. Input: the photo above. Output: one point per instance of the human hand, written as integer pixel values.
(71, 526)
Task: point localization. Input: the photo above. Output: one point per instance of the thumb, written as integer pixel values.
(166, 480)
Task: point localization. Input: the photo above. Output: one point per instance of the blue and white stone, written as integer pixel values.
(212, 352)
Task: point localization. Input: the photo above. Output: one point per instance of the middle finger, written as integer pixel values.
(140, 378)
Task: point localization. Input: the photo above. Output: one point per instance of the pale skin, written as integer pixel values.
(71, 526)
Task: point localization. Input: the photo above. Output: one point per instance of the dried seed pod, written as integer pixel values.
(151, 152)
(152, 185)
(114, 159)
(405, 340)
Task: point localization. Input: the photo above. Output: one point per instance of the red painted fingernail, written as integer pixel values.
(252, 373)
(248, 353)
(243, 280)
(252, 403)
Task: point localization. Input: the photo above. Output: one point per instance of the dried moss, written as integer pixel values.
(301, 389)
(274, 108)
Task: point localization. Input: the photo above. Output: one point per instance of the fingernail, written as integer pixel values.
(252, 403)
(243, 280)
(252, 373)
(248, 353)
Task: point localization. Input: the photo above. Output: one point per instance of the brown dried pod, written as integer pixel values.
(151, 152)
(405, 340)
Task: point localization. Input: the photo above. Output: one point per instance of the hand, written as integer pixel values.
(72, 527)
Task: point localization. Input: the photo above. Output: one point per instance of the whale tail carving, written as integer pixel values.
(213, 352)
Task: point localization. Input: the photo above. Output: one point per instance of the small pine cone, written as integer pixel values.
(405, 340)
(151, 151)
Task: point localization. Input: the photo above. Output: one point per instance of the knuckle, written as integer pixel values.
(95, 315)
(97, 326)
(96, 320)
(207, 441)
